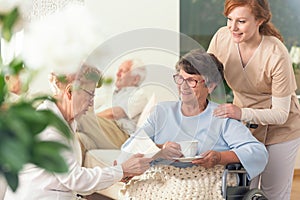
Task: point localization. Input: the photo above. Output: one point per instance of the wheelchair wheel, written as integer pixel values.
(255, 194)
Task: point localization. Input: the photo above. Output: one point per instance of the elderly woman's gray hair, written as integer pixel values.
(199, 62)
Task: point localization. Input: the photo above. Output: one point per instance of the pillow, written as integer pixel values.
(136, 103)
(89, 126)
(146, 111)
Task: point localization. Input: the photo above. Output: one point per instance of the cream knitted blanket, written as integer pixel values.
(168, 182)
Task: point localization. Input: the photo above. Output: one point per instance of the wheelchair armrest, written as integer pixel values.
(234, 166)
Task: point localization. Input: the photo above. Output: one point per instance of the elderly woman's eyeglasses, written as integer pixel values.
(178, 79)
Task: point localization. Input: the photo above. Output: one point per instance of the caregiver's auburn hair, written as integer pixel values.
(261, 10)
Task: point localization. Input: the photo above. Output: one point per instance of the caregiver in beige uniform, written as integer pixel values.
(259, 71)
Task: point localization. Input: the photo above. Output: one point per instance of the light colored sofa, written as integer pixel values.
(104, 158)
(99, 150)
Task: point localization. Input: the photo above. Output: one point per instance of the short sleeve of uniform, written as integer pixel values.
(283, 79)
(218, 44)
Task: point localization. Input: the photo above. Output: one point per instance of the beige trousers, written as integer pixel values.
(276, 180)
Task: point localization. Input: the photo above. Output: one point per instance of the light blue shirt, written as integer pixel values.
(167, 123)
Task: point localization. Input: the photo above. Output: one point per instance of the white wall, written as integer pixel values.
(143, 29)
(120, 17)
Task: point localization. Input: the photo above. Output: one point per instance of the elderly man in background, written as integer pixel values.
(75, 95)
(119, 121)
(114, 121)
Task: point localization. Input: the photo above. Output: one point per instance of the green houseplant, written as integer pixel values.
(52, 43)
(57, 42)
(20, 123)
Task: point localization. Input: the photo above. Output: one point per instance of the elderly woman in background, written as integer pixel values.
(72, 102)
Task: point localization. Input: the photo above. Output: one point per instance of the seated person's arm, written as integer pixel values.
(228, 157)
(112, 113)
(169, 150)
(212, 158)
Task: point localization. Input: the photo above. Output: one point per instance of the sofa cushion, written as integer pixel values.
(101, 157)
(104, 158)
(91, 134)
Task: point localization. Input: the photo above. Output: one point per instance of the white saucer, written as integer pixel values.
(188, 159)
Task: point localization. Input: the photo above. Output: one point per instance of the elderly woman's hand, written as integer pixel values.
(228, 110)
(209, 159)
(168, 151)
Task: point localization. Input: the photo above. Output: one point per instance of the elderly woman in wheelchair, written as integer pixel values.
(220, 141)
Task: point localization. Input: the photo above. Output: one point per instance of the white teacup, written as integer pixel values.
(189, 148)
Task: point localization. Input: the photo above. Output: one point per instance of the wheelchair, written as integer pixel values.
(242, 190)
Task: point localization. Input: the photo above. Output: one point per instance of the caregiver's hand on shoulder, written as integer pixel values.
(228, 110)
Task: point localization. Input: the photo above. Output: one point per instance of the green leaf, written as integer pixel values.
(42, 98)
(3, 90)
(2, 124)
(108, 81)
(9, 21)
(6, 33)
(16, 65)
(12, 180)
(14, 154)
(35, 121)
(46, 154)
(104, 81)
(18, 129)
(57, 122)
